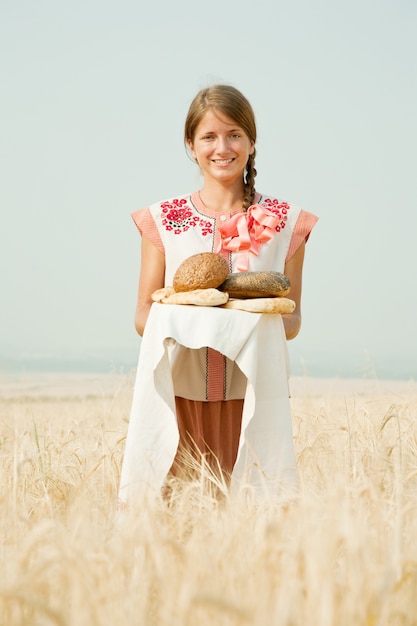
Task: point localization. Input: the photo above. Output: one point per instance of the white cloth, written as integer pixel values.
(256, 342)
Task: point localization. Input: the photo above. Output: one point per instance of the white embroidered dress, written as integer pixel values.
(173, 356)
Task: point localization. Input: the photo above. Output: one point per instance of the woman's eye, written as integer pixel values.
(236, 136)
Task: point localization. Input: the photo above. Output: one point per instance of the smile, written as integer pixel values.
(222, 161)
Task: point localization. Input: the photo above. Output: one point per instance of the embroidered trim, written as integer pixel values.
(178, 216)
(280, 209)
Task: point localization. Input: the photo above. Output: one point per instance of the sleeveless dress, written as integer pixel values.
(225, 369)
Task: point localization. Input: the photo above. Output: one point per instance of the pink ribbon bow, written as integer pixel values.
(246, 232)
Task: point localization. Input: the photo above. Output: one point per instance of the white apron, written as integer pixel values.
(256, 342)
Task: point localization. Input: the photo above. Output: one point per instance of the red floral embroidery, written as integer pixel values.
(280, 209)
(178, 216)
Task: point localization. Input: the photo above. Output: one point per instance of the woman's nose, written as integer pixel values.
(222, 144)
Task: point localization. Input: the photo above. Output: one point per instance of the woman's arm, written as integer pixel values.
(152, 277)
(294, 271)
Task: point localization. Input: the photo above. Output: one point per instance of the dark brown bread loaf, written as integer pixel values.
(205, 270)
(256, 285)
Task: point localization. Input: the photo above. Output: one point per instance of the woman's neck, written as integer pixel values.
(222, 199)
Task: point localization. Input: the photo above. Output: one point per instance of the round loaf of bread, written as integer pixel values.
(256, 285)
(205, 270)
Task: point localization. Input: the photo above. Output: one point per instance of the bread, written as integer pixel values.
(199, 297)
(205, 270)
(262, 305)
(256, 285)
(214, 297)
(162, 293)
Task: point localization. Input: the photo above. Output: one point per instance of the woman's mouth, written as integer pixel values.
(222, 161)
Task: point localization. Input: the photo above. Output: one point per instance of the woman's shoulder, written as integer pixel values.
(174, 201)
(273, 202)
(283, 209)
(178, 201)
(153, 210)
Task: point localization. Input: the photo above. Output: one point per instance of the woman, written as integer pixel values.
(209, 387)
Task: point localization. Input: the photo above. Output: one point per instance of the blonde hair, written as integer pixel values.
(231, 102)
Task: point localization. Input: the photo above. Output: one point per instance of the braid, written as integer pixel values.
(249, 191)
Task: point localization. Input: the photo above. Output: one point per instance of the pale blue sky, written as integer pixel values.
(94, 96)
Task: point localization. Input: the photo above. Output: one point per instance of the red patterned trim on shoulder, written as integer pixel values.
(280, 209)
(178, 216)
(302, 229)
(146, 226)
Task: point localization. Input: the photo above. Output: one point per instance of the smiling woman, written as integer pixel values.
(221, 123)
(222, 150)
(213, 383)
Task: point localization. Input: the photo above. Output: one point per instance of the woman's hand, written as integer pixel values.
(294, 271)
(152, 277)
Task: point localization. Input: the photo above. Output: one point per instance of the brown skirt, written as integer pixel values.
(210, 430)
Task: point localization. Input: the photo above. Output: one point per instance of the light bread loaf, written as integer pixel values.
(160, 294)
(262, 305)
(198, 297)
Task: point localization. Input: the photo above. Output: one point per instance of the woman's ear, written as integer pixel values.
(252, 147)
(191, 149)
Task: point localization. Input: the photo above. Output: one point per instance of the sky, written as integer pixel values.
(94, 98)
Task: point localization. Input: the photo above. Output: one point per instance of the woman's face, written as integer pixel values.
(221, 148)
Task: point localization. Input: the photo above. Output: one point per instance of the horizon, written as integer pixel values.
(93, 109)
(124, 361)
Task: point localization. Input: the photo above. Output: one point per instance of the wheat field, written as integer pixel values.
(343, 552)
